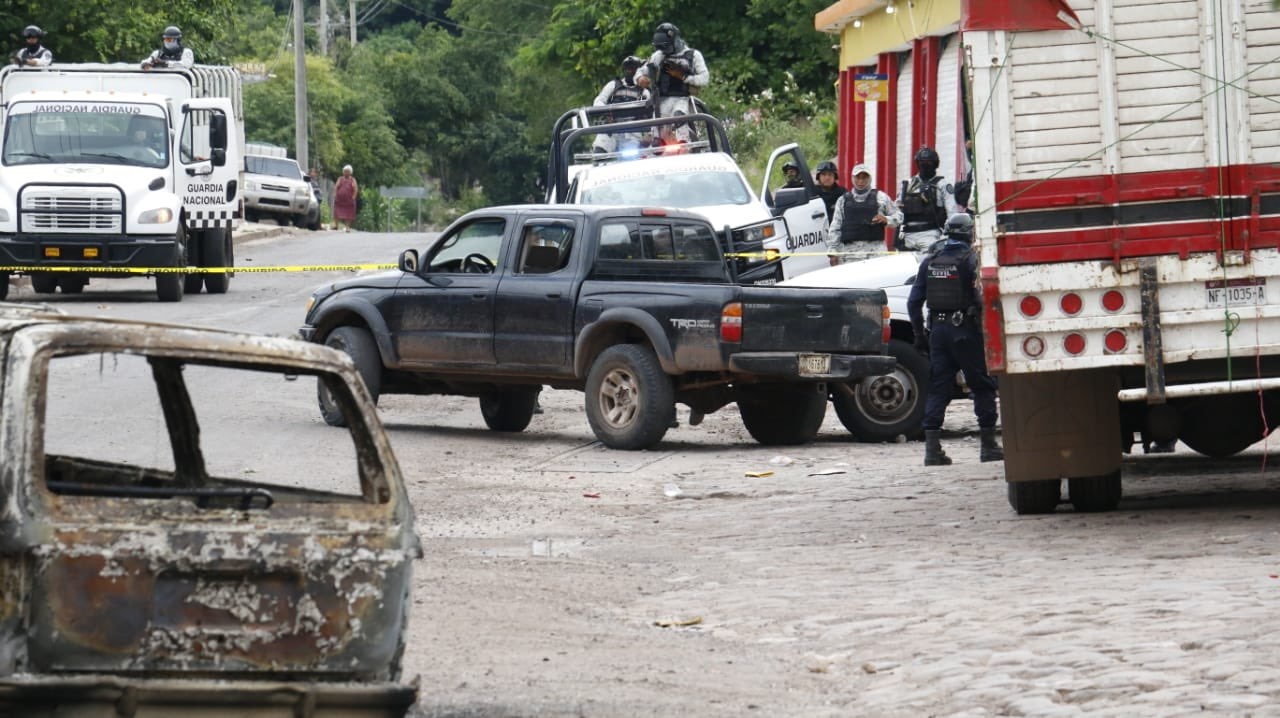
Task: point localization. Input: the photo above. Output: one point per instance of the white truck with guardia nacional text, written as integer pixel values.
(110, 171)
(1127, 186)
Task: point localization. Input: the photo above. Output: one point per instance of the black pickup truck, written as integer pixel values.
(636, 307)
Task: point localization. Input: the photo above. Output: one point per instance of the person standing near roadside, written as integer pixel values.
(926, 201)
(948, 281)
(829, 186)
(171, 52)
(345, 194)
(33, 53)
(859, 219)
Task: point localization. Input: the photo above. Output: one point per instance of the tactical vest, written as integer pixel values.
(623, 92)
(857, 226)
(921, 206)
(945, 289)
(669, 86)
(174, 55)
(29, 53)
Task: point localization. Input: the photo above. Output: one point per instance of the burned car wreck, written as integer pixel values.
(180, 533)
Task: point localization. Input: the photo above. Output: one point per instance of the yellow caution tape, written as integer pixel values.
(197, 270)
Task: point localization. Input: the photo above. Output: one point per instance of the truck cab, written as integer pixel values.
(107, 172)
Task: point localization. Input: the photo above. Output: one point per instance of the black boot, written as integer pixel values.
(933, 454)
(990, 450)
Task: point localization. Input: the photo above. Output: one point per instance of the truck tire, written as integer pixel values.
(1094, 494)
(72, 283)
(630, 400)
(509, 409)
(1223, 425)
(4, 285)
(219, 252)
(783, 414)
(880, 408)
(170, 285)
(358, 343)
(44, 283)
(1035, 497)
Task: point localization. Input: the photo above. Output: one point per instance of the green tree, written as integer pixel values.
(118, 30)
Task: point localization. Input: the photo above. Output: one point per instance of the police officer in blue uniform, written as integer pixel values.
(948, 280)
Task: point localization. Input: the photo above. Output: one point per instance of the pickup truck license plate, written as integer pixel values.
(1227, 292)
(815, 364)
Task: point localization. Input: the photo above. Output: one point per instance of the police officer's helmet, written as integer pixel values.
(926, 159)
(664, 37)
(790, 166)
(33, 31)
(172, 31)
(827, 166)
(960, 227)
(631, 63)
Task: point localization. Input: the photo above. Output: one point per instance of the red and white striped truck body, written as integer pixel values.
(1127, 186)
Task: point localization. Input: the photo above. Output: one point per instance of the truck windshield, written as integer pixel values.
(86, 133)
(273, 166)
(677, 190)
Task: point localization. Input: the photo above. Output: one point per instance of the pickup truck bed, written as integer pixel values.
(635, 307)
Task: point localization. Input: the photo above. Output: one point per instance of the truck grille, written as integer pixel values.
(80, 209)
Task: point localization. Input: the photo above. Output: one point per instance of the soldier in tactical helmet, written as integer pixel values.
(791, 173)
(618, 90)
(859, 219)
(927, 200)
(947, 280)
(171, 52)
(829, 185)
(33, 53)
(677, 71)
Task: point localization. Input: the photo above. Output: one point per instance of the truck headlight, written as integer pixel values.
(164, 215)
(302, 192)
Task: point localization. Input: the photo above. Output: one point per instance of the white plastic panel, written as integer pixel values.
(906, 104)
(948, 112)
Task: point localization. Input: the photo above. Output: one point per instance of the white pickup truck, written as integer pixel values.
(777, 234)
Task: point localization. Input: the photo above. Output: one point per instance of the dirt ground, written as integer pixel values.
(565, 579)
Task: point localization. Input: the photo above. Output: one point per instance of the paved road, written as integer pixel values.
(563, 579)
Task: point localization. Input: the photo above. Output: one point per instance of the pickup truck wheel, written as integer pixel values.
(1095, 493)
(783, 414)
(879, 408)
(509, 409)
(44, 283)
(4, 285)
(630, 400)
(358, 343)
(1035, 497)
(219, 252)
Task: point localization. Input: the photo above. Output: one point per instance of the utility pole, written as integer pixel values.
(300, 89)
(352, 9)
(324, 28)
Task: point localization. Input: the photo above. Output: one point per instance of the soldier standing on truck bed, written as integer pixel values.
(171, 52)
(948, 280)
(616, 91)
(678, 71)
(926, 201)
(34, 53)
(859, 219)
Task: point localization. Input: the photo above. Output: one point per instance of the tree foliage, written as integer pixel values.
(118, 30)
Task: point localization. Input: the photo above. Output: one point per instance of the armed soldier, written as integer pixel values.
(926, 201)
(677, 71)
(616, 91)
(171, 52)
(34, 53)
(859, 219)
(948, 280)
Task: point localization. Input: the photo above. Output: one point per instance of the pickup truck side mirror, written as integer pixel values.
(788, 197)
(409, 261)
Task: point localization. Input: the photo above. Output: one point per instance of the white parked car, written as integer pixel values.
(781, 232)
(276, 187)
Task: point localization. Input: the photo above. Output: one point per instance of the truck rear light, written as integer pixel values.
(1073, 343)
(1030, 306)
(1071, 304)
(653, 212)
(1033, 347)
(731, 323)
(1113, 301)
(1115, 341)
(886, 330)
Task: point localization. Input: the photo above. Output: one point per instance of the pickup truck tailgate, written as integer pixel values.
(847, 321)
